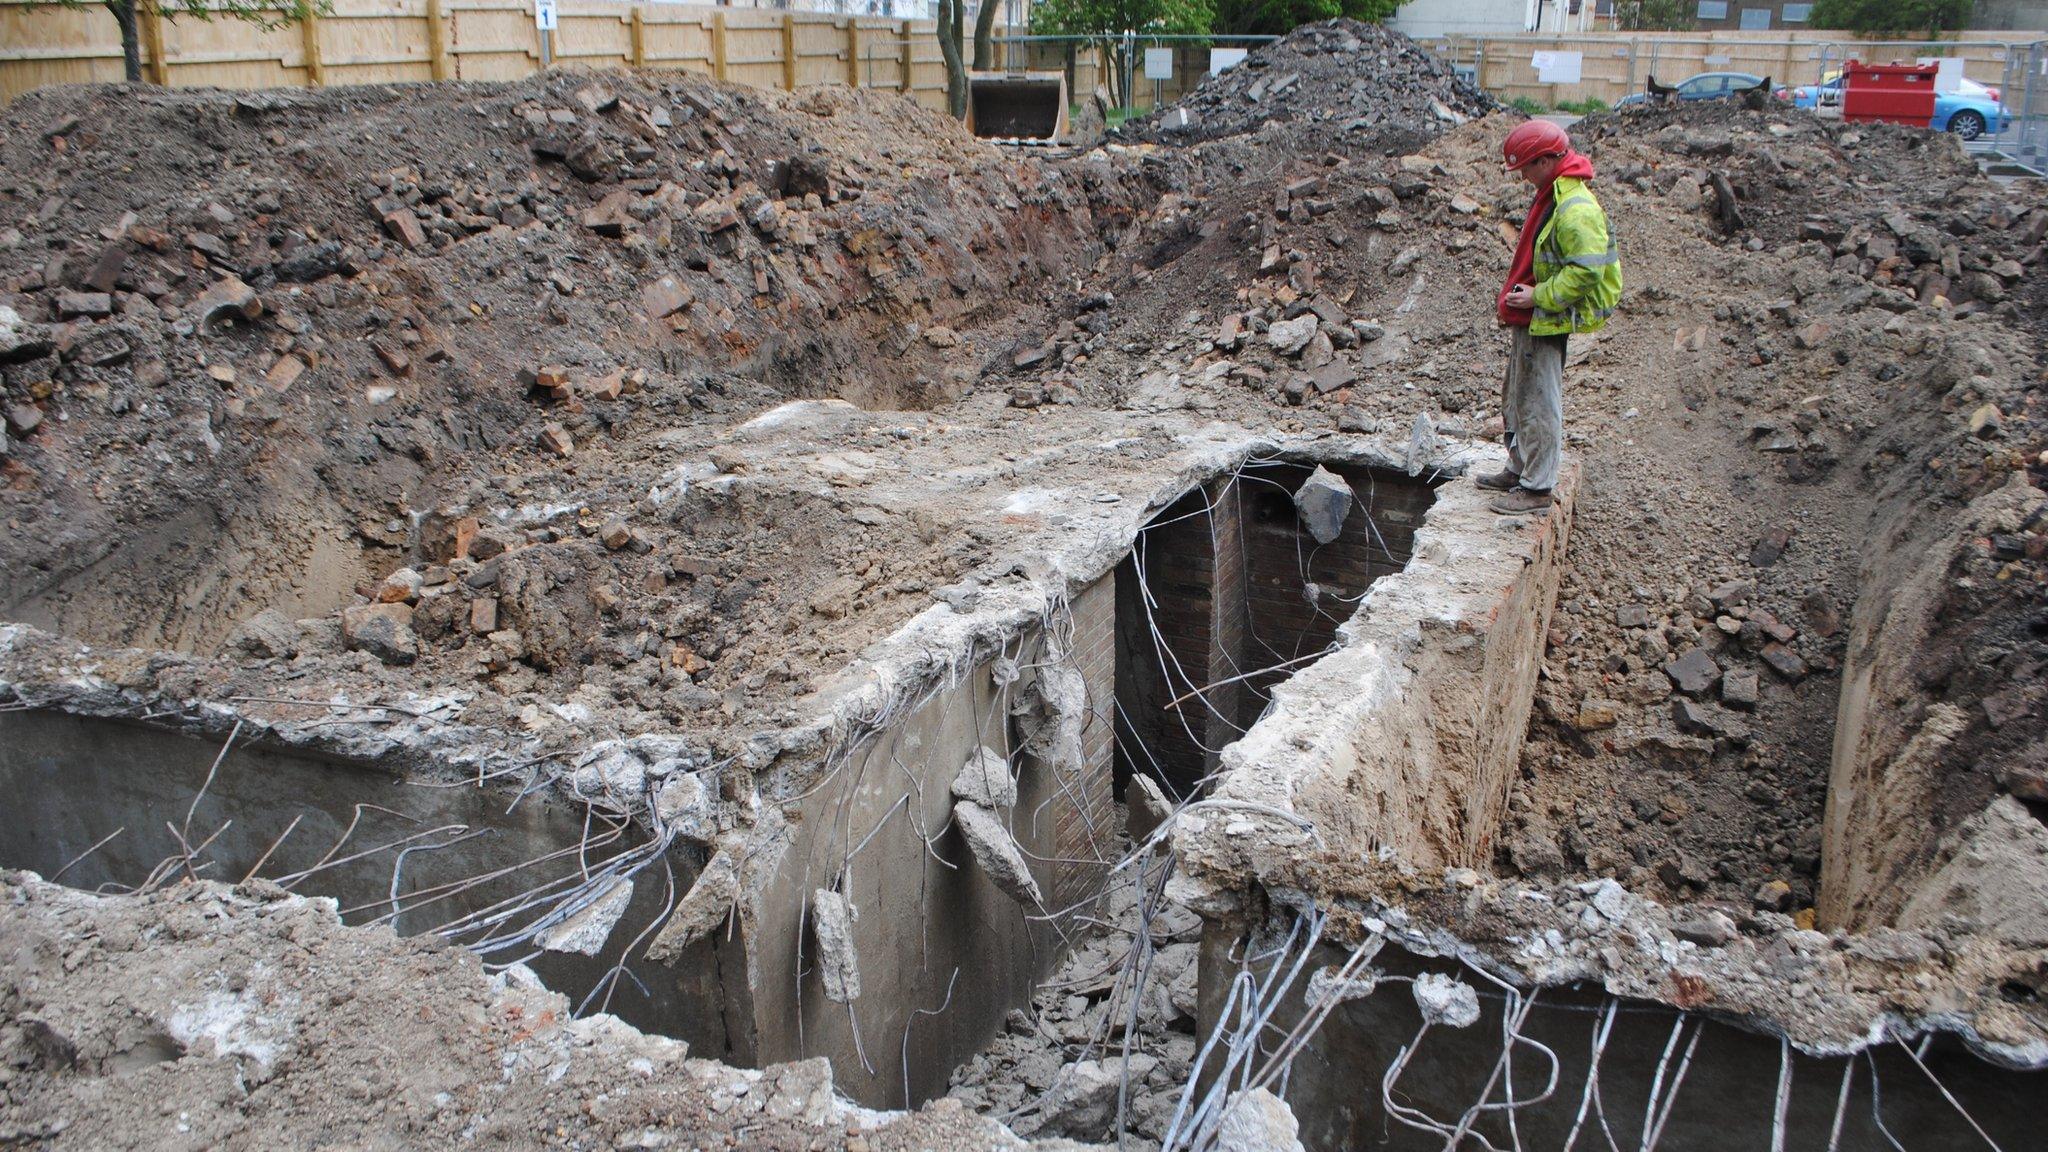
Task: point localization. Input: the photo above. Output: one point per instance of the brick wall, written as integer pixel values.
(1228, 591)
(1281, 559)
(1176, 563)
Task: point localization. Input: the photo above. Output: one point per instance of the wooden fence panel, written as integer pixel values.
(593, 36)
(227, 53)
(678, 38)
(821, 50)
(492, 39)
(881, 53)
(55, 46)
(753, 47)
(378, 43)
(386, 41)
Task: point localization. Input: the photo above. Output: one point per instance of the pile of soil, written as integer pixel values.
(1341, 80)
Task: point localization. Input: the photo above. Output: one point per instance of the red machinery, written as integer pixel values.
(1894, 93)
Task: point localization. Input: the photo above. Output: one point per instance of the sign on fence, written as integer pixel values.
(1557, 67)
(544, 15)
(1158, 63)
(1224, 59)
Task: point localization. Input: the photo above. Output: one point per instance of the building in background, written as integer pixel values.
(1752, 16)
(2010, 16)
(1428, 18)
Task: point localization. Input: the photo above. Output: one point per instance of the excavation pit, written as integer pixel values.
(103, 805)
(829, 788)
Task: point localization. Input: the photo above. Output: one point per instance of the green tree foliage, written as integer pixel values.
(1105, 21)
(129, 13)
(1656, 15)
(1279, 17)
(1891, 17)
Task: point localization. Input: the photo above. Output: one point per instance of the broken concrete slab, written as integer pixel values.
(1323, 501)
(986, 780)
(832, 920)
(995, 850)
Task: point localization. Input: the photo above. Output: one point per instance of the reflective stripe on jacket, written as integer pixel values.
(1578, 269)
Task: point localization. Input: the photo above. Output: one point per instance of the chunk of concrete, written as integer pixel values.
(1146, 808)
(702, 909)
(687, 803)
(1289, 337)
(382, 630)
(1423, 443)
(1694, 673)
(997, 852)
(832, 920)
(1258, 1121)
(1446, 1001)
(1322, 502)
(985, 779)
(1082, 1102)
(584, 931)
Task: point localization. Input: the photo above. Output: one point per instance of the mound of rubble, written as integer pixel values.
(304, 308)
(214, 1017)
(1337, 80)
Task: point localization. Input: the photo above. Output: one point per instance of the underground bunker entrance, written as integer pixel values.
(111, 806)
(1227, 592)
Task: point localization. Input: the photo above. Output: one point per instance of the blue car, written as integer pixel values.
(1705, 86)
(1972, 110)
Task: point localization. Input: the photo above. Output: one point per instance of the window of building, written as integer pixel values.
(1795, 13)
(1756, 19)
(1713, 9)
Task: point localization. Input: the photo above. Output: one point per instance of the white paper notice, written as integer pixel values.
(1224, 59)
(1557, 67)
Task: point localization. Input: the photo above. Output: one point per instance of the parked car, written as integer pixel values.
(1972, 110)
(1705, 86)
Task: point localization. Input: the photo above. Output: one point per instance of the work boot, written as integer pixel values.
(1522, 502)
(1499, 481)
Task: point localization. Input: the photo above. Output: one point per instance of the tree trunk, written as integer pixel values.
(131, 38)
(952, 21)
(985, 35)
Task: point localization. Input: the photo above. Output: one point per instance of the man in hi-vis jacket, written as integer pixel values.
(1566, 278)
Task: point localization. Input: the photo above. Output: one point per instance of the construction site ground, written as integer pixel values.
(483, 393)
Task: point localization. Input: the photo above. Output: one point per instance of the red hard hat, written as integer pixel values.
(1533, 140)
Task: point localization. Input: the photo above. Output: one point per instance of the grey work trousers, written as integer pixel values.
(1532, 409)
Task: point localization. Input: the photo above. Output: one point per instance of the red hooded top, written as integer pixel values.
(1523, 269)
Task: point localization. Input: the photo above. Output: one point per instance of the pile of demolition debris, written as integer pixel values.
(1109, 1042)
(1340, 80)
(212, 1016)
(374, 290)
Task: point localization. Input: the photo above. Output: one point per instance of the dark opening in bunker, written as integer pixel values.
(1225, 594)
(105, 805)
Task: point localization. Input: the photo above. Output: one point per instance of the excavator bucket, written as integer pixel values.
(1017, 105)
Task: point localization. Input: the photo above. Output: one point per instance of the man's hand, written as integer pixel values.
(1520, 296)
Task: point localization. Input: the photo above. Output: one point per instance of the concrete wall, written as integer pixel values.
(929, 913)
(1408, 735)
(73, 780)
(1726, 1100)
